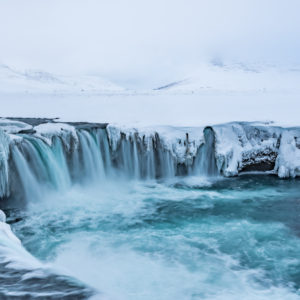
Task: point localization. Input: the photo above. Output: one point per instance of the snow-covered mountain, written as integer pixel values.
(36, 81)
(237, 77)
(211, 78)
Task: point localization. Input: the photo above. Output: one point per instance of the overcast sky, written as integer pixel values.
(146, 42)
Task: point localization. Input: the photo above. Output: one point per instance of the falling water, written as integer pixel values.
(205, 162)
(59, 164)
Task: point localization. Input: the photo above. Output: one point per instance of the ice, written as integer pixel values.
(12, 253)
(47, 131)
(240, 146)
(288, 160)
(237, 147)
(182, 142)
(5, 230)
(13, 126)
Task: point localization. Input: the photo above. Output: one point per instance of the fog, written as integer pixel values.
(143, 43)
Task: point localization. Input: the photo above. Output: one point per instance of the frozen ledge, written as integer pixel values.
(238, 146)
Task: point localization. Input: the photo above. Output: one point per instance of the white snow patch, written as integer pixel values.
(47, 131)
(11, 249)
(12, 126)
(288, 160)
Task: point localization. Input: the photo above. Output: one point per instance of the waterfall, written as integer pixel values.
(93, 166)
(205, 162)
(49, 162)
(56, 163)
(29, 182)
(4, 153)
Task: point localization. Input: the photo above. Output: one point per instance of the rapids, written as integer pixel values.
(189, 238)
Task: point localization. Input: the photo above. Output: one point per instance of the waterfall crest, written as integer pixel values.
(36, 162)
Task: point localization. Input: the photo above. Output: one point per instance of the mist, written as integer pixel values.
(144, 43)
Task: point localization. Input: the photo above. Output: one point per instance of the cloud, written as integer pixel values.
(143, 41)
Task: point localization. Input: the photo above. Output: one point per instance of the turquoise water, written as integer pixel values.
(186, 238)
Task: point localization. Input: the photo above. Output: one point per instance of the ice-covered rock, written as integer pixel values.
(244, 146)
(181, 142)
(48, 131)
(288, 160)
(239, 146)
(13, 126)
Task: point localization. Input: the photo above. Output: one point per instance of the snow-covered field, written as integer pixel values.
(215, 94)
(137, 110)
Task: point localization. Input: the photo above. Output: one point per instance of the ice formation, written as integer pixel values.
(35, 155)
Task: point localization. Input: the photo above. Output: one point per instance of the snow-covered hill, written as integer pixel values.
(211, 78)
(36, 81)
(222, 94)
(218, 77)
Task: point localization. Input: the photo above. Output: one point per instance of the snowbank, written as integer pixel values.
(49, 130)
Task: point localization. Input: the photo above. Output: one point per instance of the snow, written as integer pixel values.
(152, 110)
(288, 160)
(251, 110)
(182, 142)
(2, 216)
(5, 230)
(13, 254)
(40, 82)
(12, 126)
(215, 94)
(233, 78)
(47, 131)
(238, 145)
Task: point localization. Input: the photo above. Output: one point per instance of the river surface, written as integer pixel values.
(185, 238)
